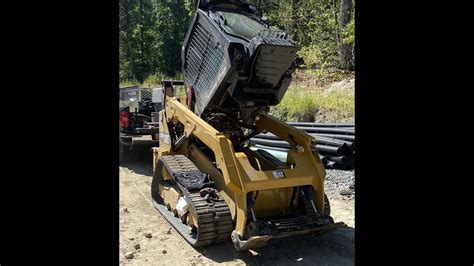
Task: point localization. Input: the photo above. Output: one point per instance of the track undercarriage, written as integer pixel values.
(206, 220)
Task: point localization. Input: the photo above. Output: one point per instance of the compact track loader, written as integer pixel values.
(209, 182)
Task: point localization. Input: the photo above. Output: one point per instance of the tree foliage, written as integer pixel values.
(152, 33)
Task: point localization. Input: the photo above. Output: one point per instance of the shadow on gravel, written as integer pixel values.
(139, 159)
(335, 247)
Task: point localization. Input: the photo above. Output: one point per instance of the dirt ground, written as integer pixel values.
(139, 219)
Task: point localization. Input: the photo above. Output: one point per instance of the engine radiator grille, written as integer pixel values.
(204, 60)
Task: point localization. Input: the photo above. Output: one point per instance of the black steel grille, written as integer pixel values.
(204, 59)
(145, 95)
(296, 223)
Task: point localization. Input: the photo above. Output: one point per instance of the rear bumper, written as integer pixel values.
(128, 140)
(260, 241)
(146, 131)
(140, 131)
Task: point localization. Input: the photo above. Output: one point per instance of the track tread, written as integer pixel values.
(214, 221)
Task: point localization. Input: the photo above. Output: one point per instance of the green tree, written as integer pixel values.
(136, 39)
(172, 22)
(345, 48)
(152, 33)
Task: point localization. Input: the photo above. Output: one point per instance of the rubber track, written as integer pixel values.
(214, 219)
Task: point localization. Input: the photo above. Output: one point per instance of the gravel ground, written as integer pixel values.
(147, 239)
(340, 184)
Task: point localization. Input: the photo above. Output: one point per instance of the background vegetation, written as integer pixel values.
(152, 32)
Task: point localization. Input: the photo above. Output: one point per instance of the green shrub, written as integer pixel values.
(128, 83)
(349, 32)
(312, 56)
(303, 104)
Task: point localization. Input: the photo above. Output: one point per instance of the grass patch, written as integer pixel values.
(180, 91)
(151, 81)
(128, 83)
(301, 104)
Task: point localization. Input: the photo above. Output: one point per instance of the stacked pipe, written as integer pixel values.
(335, 143)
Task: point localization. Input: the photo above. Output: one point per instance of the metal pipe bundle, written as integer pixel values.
(334, 142)
(335, 136)
(339, 131)
(313, 124)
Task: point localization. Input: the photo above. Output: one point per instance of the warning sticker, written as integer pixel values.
(278, 174)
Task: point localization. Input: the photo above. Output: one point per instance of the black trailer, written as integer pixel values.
(137, 118)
